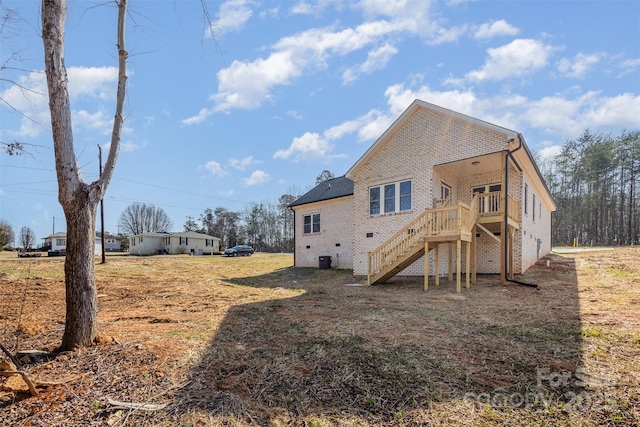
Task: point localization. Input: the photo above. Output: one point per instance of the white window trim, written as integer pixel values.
(396, 200)
(311, 223)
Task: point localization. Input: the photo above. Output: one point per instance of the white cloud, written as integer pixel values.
(448, 35)
(495, 29)
(564, 116)
(232, 15)
(377, 59)
(125, 146)
(630, 63)
(305, 8)
(198, 118)
(128, 146)
(295, 114)
(248, 84)
(579, 65)
(516, 59)
(215, 168)
(310, 147)
(628, 66)
(550, 151)
(97, 121)
(30, 97)
(257, 177)
(242, 164)
(95, 82)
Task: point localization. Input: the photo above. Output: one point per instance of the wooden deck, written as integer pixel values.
(443, 223)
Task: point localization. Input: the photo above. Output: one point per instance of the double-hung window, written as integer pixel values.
(312, 224)
(390, 198)
(533, 208)
(184, 241)
(374, 200)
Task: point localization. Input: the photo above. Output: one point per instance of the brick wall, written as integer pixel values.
(534, 229)
(424, 139)
(336, 228)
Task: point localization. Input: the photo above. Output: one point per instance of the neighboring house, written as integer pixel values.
(112, 244)
(58, 242)
(188, 242)
(436, 179)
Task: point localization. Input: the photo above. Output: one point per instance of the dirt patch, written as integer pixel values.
(251, 341)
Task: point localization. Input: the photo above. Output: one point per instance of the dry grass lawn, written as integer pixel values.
(251, 341)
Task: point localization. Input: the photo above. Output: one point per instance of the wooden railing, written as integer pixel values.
(448, 220)
(489, 205)
(440, 221)
(398, 243)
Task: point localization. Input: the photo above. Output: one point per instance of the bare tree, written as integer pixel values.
(324, 176)
(78, 199)
(140, 218)
(6, 233)
(27, 238)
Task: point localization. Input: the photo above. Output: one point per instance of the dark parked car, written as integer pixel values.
(240, 250)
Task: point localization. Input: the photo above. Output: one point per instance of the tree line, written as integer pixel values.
(267, 227)
(595, 183)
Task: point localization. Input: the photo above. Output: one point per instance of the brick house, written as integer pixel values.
(465, 191)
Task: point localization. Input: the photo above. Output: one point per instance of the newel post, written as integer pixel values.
(369, 268)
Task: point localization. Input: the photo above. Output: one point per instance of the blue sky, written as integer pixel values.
(287, 89)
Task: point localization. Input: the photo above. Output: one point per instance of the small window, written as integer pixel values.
(533, 207)
(405, 196)
(312, 224)
(445, 191)
(374, 201)
(316, 223)
(140, 239)
(389, 198)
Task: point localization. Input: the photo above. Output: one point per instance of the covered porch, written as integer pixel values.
(475, 197)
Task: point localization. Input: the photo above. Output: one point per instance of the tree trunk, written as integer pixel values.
(81, 293)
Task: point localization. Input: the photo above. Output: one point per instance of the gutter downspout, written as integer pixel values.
(506, 210)
(294, 236)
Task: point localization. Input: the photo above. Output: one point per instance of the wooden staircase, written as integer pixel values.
(427, 230)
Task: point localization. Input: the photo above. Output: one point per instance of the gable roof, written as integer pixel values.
(330, 189)
(422, 104)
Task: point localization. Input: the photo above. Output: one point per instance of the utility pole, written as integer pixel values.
(101, 209)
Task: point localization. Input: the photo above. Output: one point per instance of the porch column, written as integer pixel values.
(426, 266)
(503, 222)
(467, 264)
(474, 255)
(511, 245)
(450, 261)
(458, 254)
(437, 264)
